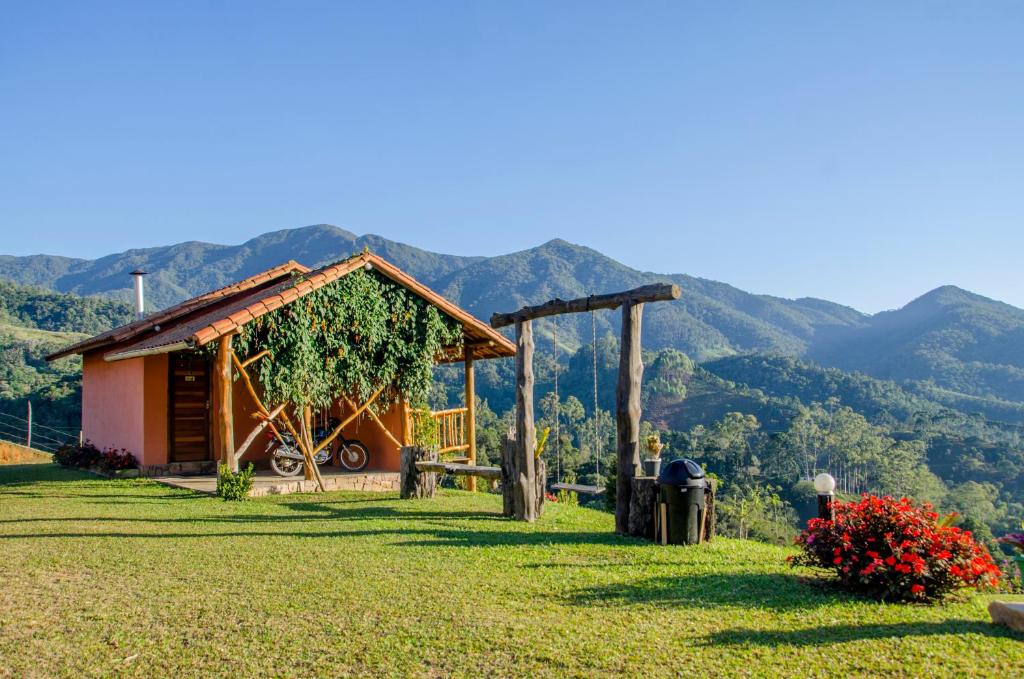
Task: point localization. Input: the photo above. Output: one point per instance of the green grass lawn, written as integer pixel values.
(130, 578)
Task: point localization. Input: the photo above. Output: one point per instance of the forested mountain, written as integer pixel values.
(34, 323)
(959, 340)
(184, 270)
(712, 319)
(950, 345)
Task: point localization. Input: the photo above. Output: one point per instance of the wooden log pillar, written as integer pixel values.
(524, 482)
(470, 414)
(413, 482)
(309, 469)
(406, 421)
(509, 481)
(643, 503)
(224, 426)
(627, 412)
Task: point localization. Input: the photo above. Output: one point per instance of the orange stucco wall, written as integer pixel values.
(156, 416)
(384, 455)
(124, 405)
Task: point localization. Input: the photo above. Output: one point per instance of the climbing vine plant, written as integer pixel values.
(350, 337)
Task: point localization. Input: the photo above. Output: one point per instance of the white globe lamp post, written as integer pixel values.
(825, 485)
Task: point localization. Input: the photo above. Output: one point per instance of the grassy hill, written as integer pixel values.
(33, 323)
(53, 388)
(128, 577)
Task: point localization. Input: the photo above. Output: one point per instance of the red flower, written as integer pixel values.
(916, 543)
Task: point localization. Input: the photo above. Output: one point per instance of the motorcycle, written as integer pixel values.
(286, 457)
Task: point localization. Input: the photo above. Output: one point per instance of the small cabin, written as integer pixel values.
(162, 387)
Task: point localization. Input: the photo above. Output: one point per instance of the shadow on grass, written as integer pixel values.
(833, 634)
(12, 475)
(417, 537)
(368, 514)
(772, 591)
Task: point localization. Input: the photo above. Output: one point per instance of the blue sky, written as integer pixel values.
(861, 152)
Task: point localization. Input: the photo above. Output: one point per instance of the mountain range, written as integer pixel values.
(959, 347)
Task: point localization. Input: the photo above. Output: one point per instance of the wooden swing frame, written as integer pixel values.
(627, 392)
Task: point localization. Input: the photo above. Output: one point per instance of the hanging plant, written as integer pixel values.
(350, 337)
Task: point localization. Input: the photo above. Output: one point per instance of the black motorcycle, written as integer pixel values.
(286, 457)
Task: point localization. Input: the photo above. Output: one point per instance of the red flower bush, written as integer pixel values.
(113, 459)
(896, 550)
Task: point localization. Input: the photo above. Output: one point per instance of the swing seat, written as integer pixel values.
(578, 488)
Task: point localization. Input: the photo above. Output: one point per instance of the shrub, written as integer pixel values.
(62, 455)
(112, 460)
(567, 497)
(83, 456)
(895, 550)
(232, 485)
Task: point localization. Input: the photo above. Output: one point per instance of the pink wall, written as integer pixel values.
(124, 405)
(112, 403)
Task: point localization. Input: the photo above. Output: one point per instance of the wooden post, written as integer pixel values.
(525, 480)
(627, 411)
(414, 483)
(403, 407)
(224, 428)
(28, 436)
(643, 507)
(510, 493)
(470, 414)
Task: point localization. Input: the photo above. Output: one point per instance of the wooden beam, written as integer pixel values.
(344, 423)
(284, 416)
(373, 416)
(311, 469)
(627, 412)
(403, 406)
(470, 421)
(252, 359)
(470, 470)
(224, 429)
(266, 422)
(524, 505)
(647, 293)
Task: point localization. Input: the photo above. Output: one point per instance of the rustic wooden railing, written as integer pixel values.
(451, 430)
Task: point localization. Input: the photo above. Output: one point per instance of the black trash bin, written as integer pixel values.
(681, 487)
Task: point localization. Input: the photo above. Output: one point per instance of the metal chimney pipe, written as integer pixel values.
(140, 306)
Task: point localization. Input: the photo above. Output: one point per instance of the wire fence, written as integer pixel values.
(27, 431)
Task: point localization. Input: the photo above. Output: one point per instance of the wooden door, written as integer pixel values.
(189, 407)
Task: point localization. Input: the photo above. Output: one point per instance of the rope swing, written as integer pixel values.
(597, 418)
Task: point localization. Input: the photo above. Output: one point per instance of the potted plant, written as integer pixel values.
(652, 465)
